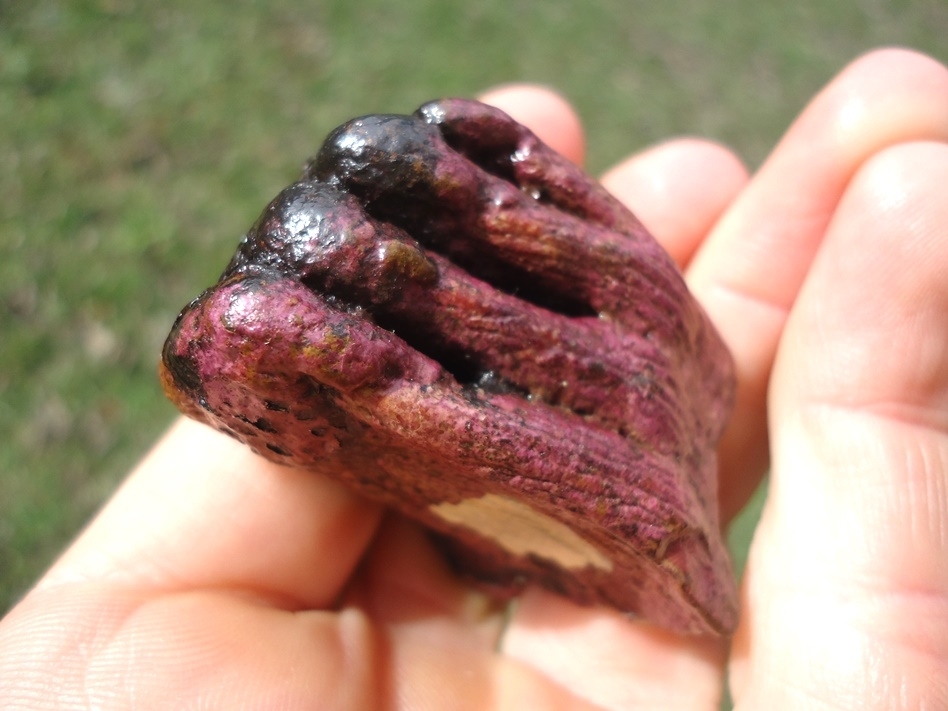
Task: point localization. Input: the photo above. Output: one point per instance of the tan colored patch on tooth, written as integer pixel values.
(521, 530)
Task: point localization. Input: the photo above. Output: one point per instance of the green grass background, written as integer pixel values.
(139, 140)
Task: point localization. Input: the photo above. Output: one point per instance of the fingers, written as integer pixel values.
(605, 658)
(848, 581)
(203, 511)
(678, 189)
(102, 647)
(748, 271)
(404, 577)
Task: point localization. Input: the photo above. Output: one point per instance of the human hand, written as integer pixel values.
(215, 579)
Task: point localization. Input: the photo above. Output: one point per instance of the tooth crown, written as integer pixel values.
(453, 319)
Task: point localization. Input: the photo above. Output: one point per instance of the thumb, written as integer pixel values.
(846, 593)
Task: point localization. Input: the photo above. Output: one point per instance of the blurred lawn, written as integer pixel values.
(139, 140)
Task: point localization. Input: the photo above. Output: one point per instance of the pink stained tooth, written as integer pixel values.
(454, 320)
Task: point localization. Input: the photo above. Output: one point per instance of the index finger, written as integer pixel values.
(204, 511)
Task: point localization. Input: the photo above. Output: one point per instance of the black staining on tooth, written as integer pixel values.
(264, 425)
(278, 450)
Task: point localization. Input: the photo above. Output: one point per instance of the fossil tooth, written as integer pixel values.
(456, 321)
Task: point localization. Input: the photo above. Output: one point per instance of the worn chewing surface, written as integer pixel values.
(456, 321)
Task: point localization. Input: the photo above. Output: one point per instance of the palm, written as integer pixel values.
(219, 579)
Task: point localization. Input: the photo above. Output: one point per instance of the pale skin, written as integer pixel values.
(216, 580)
